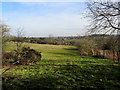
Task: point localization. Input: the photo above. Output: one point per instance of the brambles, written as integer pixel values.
(101, 47)
(24, 56)
(86, 46)
(28, 55)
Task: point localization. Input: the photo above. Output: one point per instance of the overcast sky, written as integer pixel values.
(45, 18)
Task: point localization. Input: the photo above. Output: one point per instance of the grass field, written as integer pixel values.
(63, 68)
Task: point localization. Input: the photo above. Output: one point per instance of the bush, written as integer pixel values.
(27, 55)
(102, 47)
(86, 46)
(24, 56)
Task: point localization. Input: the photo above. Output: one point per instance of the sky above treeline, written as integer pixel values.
(41, 19)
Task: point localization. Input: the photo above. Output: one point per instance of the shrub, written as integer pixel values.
(28, 55)
(24, 56)
(86, 46)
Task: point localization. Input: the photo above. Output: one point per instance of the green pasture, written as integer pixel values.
(62, 68)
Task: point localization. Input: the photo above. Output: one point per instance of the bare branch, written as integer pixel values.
(104, 15)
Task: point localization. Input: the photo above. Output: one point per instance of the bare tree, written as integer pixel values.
(19, 44)
(104, 15)
(4, 36)
(0, 47)
(19, 41)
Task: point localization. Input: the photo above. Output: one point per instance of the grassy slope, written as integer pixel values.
(62, 67)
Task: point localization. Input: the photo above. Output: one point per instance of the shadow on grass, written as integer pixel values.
(100, 57)
(69, 78)
(87, 62)
(66, 54)
(71, 49)
(69, 52)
